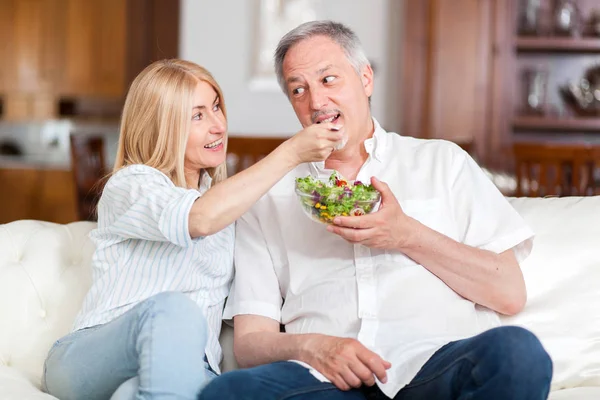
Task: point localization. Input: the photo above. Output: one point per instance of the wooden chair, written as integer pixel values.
(554, 169)
(466, 145)
(89, 169)
(242, 152)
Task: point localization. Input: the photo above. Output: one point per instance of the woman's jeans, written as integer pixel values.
(153, 351)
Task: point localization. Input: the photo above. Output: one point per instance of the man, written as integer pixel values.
(398, 304)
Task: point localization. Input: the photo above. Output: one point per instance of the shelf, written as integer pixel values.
(558, 44)
(535, 123)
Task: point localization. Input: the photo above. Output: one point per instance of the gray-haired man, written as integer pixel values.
(399, 304)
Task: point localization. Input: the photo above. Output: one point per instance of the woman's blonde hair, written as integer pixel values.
(157, 116)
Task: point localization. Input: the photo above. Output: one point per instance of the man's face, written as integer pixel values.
(323, 85)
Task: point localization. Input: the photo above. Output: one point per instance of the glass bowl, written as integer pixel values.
(322, 200)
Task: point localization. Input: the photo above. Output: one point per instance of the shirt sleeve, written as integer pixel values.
(484, 217)
(146, 205)
(255, 288)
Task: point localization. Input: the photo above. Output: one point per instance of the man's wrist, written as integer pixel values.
(304, 348)
(412, 236)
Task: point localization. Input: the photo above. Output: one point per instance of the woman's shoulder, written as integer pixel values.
(134, 181)
(138, 174)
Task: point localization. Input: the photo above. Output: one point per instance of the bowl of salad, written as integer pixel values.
(324, 199)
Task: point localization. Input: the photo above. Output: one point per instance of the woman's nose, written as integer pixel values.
(218, 125)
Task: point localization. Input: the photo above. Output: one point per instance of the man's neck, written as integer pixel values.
(351, 158)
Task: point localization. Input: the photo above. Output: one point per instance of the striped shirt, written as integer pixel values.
(143, 247)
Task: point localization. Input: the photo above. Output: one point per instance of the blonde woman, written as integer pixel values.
(162, 269)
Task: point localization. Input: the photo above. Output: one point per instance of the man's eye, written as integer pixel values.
(329, 79)
(298, 90)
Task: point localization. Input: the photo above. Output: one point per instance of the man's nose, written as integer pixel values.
(318, 99)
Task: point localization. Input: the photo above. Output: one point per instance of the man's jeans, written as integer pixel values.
(506, 363)
(153, 351)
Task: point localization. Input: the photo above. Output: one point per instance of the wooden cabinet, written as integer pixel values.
(78, 49)
(94, 51)
(47, 195)
(30, 38)
(6, 30)
(462, 76)
(447, 74)
(30, 53)
(63, 47)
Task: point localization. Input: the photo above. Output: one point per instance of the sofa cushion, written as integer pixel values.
(44, 274)
(15, 386)
(563, 284)
(583, 393)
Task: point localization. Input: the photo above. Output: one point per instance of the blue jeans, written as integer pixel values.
(506, 363)
(153, 351)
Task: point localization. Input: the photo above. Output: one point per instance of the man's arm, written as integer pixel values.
(484, 277)
(345, 362)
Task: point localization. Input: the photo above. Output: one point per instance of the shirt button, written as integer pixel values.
(368, 314)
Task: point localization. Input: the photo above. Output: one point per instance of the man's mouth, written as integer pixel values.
(214, 144)
(333, 118)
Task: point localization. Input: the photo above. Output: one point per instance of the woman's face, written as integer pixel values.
(206, 144)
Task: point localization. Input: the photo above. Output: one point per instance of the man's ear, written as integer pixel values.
(366, 77)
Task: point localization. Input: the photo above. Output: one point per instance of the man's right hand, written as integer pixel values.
(345, 362)
(315, 142)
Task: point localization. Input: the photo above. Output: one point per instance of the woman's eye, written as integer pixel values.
(216, 107)
(197, 116)
(329, 79)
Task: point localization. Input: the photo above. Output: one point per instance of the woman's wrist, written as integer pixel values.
(287, 154)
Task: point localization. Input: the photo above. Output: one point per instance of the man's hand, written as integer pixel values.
(388, 228)
(345, 362)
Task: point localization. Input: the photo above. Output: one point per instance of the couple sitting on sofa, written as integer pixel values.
(398, 304)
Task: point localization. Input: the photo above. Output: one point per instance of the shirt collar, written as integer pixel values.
(205, 182)
(375, 147)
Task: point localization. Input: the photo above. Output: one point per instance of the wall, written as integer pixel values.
(219, 35)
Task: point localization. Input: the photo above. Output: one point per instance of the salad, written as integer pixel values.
(324, 200)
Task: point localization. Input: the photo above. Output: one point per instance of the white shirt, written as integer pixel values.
(143, 247)
(291, 269)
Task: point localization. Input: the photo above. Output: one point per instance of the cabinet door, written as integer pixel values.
(94, 48)
(448, 73)
(20, 194)
(58, 197)
(30, 57)
(77, 77)
(110, 56)
(34, 48)
(46, 195)
(7, 65)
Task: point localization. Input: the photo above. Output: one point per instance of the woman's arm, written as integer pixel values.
(227, 201)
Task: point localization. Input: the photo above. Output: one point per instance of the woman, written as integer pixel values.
(164, 242)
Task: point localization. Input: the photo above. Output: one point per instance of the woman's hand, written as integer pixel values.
(314, 143)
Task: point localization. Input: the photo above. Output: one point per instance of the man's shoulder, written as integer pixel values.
(424, 149)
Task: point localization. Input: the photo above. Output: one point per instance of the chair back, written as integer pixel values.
(556, 169)
(88, 166)
(242, 152)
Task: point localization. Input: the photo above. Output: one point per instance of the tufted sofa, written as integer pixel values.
(45, 273)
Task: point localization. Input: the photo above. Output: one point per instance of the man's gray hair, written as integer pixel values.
(339, 33)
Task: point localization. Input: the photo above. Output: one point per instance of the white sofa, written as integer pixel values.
(45, 272)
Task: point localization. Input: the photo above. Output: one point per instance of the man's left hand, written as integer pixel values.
(388, 228)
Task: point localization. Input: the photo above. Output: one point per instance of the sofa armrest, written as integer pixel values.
(14, 386)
